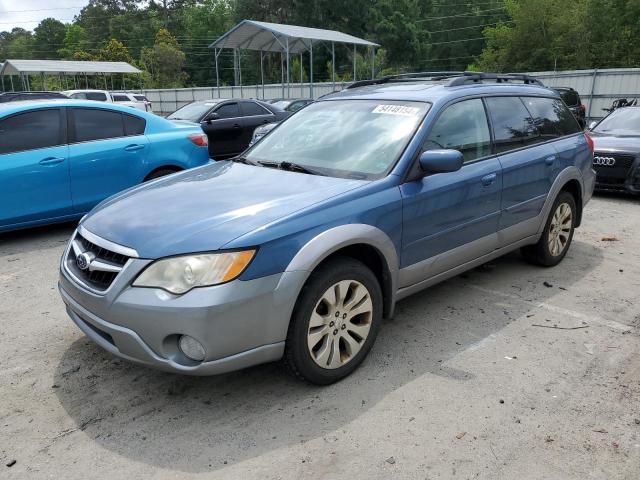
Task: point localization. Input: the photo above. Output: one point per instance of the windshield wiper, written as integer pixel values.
(245, 160)
(291, 167)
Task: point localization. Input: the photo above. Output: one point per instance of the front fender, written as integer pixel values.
(330, 241)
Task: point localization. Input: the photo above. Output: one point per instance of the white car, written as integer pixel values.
(123, 98)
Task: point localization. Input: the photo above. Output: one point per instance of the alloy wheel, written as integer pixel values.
(560, 229)
(340, 324)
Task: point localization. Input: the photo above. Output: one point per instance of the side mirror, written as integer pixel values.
(441, 161)
(212, 116)
(592, 124)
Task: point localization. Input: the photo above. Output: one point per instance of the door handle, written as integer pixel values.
(264, 122)
(550, 159)
(488, 179)
(51, 161)
(236, 125)
(133, 147)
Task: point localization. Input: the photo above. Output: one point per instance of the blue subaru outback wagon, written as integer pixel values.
(299, 248)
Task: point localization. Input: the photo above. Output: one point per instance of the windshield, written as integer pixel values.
(282, 104)
(192, 112)
(343, 138)
(622, 122)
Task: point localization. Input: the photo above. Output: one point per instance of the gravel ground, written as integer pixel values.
(471, 379)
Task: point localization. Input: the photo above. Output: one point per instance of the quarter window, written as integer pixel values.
(512, 124)
(462, 126)
(228, 110)
(551, 117)
(95, 124)
(30, 131)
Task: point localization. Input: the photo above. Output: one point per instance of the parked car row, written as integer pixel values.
(134, 100)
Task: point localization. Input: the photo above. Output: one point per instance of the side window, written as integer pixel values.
(250, 109)
(512, 124)
(133, 125)
(228, 110)
(79, 96)
(97, 96)
(120, 98)
(30, 131)
(551, 117)
(95, 124)
(462, 126)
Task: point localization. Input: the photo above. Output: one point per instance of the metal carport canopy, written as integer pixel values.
(287, 40)
(61, 67)
(253, 35)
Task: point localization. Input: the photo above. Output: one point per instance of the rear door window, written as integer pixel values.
(512, 124)
(228, 110)
(551, 117)
(462, 126)
(30, 131)
(250, 109)
(133, 125)
(121, 98)
(96, 124)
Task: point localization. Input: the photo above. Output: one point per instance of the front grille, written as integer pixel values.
(614, 174)
(104, 267)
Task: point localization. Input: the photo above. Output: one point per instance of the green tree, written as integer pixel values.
(164, 62)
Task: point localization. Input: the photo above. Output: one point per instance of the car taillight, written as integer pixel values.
(199, 139)
(582, 108)
(589, 141)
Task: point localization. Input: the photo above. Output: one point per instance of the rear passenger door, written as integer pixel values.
(34, 167)
(444, 211)
(254, 115)
(107, 155)
(225, 131)
(529, 165)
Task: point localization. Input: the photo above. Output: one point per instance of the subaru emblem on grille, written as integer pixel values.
(83, 261)
(605, 161)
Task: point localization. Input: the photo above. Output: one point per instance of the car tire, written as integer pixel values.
(557, 235)
(159, 173)
(335, 321)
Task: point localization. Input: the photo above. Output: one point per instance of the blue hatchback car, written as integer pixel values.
(59, 158)
(300, 247)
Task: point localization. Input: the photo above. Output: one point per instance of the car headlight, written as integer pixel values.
(180, 274)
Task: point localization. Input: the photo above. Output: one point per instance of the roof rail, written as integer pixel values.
(406, 77)
(480, 77)
(455, 78)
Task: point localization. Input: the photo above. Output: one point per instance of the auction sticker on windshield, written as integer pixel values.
(397, 110)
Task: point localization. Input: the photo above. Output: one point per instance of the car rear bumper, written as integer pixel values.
(239, 324)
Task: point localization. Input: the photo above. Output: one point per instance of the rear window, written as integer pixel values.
(30, 131)
(551, 117)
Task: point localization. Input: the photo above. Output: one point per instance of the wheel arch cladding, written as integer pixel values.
(365, 243)
(575, 189)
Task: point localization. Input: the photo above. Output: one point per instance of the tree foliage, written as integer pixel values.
(169, 39)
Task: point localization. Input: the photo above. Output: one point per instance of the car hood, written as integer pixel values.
(610, 143)
(205, 208)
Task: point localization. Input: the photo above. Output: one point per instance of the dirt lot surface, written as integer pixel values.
(471, 379)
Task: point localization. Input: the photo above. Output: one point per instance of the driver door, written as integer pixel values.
(457, 210)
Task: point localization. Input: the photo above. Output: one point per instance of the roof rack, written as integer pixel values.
(480, 77)
(454, 78)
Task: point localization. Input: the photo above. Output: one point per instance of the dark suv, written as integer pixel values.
(572, 99)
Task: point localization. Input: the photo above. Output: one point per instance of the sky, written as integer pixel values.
(28, 13)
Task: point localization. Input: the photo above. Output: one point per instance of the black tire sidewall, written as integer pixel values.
(296, 351)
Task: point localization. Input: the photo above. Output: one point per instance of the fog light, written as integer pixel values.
(191, 348)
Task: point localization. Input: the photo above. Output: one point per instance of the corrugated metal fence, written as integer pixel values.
(166, 101)
(597, 88)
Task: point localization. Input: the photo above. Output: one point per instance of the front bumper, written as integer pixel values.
(629, 183)
(240, 323)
